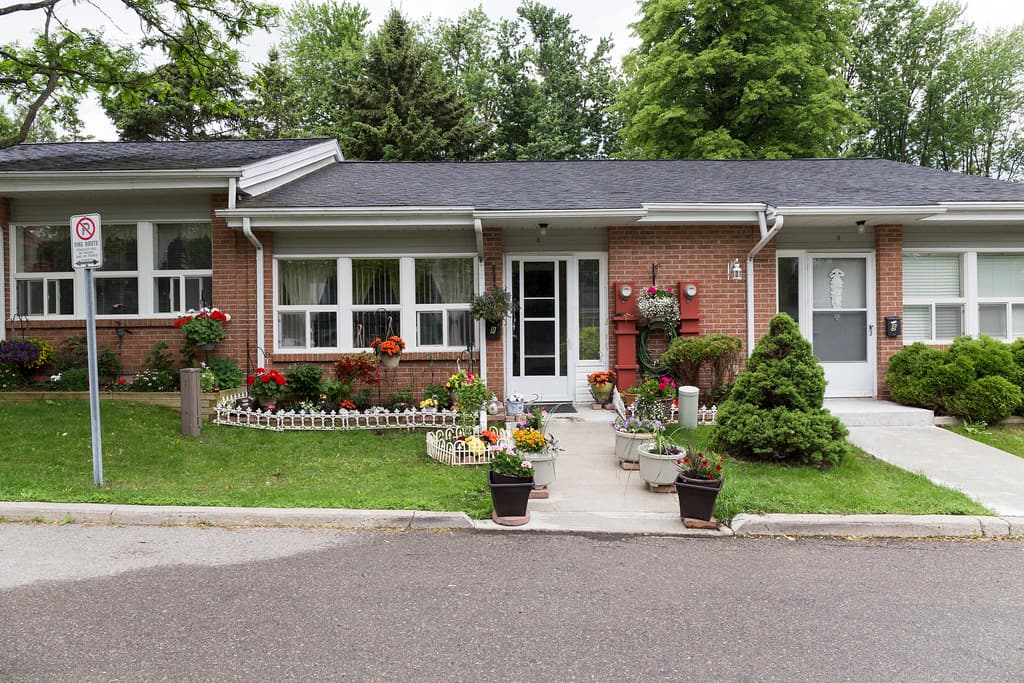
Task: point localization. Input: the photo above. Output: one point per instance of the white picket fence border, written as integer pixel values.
(443, 445)
(300, 420)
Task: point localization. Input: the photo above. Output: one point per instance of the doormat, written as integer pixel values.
(566, 408)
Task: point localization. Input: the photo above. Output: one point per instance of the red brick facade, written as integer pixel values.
(494, 273)
(888, 293)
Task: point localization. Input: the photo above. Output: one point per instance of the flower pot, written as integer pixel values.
(656, 468)
(492, 330)
(208, 346)
(602, 392)
(390, 361)
(543, 467)
(697, 496)
(510, 496)
(627, 445)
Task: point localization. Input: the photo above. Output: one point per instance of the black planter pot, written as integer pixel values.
(509, 494)
(697, 496)
(492, 330)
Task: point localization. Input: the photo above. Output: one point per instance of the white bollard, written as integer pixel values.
(688, 397)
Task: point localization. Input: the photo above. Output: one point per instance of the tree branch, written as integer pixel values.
(27, 6)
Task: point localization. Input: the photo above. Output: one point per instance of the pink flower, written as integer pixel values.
(652, 290)
(527, 464)
(662, 385)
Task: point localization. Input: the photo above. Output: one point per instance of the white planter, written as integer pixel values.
(543, 467)
(658, 469)
(627, 445)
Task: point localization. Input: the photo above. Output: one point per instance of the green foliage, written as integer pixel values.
(494, 304)
(50, 73)
(987, 356)
(400, 399)
(989, 399)
(737, 79)
(774, 411)
(909, 378)
(304, 381)
(228, 374)
(160, 358)
(439, 392)
(685, 357)
(207, 380)
(510, 463)
(73, 379)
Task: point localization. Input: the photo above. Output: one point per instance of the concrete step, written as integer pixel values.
(868, 412)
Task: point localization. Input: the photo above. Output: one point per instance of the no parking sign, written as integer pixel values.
(86, 241)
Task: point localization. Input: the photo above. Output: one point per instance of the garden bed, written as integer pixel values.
(168, 399)
(227, 413)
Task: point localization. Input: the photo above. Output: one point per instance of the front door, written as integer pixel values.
(539, 356)
(841, 322)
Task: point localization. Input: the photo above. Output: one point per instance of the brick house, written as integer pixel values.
(315, 256)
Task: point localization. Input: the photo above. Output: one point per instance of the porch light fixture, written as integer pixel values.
(542, 231)
(860, 227)
(625, 291)
(735, 270)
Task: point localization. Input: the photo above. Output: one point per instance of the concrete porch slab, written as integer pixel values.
(869, 412)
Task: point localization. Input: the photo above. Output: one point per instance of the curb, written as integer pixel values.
(172, 515)
(879, 526)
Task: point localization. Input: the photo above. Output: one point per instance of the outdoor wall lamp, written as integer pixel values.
(735, 270)
(860, 227)
(625, 291)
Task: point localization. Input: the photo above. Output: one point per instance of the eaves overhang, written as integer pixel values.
(16, 182)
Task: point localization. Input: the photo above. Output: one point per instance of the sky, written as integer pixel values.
(594, 18)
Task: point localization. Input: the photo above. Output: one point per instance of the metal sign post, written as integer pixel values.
(86, 254)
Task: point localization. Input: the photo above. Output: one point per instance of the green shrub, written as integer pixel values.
(440, 392)
(304, 381)
(156, 380)
(910, 377)
(989, 357)
(73, 379)
(159, 358)
(74, 354)
(229, 375)
(989, 399)
(207, 380)
(774, 411)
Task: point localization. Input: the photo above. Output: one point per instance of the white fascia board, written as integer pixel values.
(351, 217)
(555, 214)
(860, 210)
(701, 212)
(267, 174)
(980, 212)
(72, 181)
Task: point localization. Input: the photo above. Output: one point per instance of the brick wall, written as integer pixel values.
(494, 270)
(889, 294)
(698, 254)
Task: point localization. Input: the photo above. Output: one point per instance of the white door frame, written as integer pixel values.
(554, 388)
(860, 382)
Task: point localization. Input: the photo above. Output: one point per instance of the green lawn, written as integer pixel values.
(46, 456)
(860, 485)
(1009, 438)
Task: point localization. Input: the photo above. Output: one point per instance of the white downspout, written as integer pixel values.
(478, 229)
(769, 213)
(261, 357)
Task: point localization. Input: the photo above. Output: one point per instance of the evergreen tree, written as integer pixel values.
(738, 79)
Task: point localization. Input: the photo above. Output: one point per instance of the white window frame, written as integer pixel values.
(966, 278)
(407, 308)
(1007, 301)
(146, 274)
(444, 309)
(307, 309)
(122, 274)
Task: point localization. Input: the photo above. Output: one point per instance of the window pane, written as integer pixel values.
(368, 325)
(992, 320)
(61, 297)
(167, 295)
(116, 295)
(589, 286)
(183, 246)
(120, 247)
(932, 275)
(1001, 275)
(789, 286)
(444, 280)
(949, 321)
(324, 328)
(30, 297)
(375, 282)
(917, 323)
(839, 283)
(307, 283)
(840, 337)
(460, 329)
(44, 249)
(430, 328)
(198, 292)
(291, 330)
(1018, 321)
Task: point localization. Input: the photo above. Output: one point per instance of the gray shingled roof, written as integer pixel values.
(538, 185)
(144, 156)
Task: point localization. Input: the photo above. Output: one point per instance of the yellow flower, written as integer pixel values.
(475, 445)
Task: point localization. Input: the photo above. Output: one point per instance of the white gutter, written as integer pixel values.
(261, 357)
(232, 191)
(768, 212)
(478, 230)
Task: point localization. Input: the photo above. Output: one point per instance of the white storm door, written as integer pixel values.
(539, 358)
(842, 321)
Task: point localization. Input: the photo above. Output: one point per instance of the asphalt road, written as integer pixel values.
(98, 603)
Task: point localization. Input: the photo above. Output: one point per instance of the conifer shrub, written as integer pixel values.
(988, 399)
(774, 411)
(910, 376)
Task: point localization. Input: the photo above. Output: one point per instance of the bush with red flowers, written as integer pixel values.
(266, 385)
(203, 326)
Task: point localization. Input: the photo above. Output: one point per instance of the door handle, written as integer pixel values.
(871, 330)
